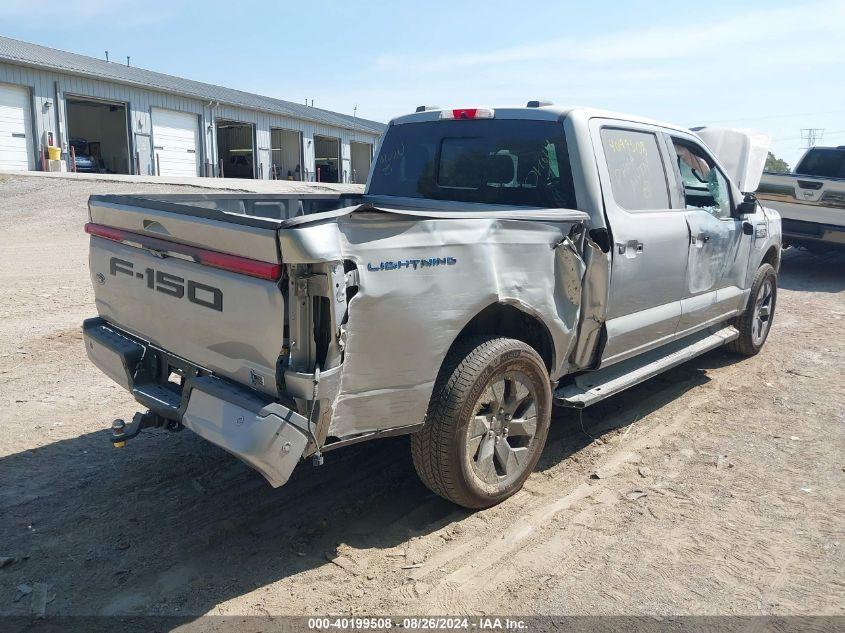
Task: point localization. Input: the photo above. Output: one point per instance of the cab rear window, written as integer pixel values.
(823, 162)
(492, 161)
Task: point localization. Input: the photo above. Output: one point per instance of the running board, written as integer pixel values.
(597, 385)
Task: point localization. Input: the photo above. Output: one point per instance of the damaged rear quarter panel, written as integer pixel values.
(402, 321)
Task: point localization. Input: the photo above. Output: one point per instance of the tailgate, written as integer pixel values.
(216, 230)
(805, 199)
(202, 289)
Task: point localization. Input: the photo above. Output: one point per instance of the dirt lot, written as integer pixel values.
(718, 488)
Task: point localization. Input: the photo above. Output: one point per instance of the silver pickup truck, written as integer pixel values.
(500, 261)
(811, 200)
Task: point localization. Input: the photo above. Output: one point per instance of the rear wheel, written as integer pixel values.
(755, 323)
(486, 424)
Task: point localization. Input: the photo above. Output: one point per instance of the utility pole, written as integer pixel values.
(812, 135)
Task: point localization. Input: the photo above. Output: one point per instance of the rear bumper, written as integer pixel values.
(266, 435)
(798, 231)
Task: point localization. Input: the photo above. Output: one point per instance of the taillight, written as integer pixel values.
(233, 263)
(107, 232)
(242, 265)
(467, 113)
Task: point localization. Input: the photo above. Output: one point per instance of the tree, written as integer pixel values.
(777, 165)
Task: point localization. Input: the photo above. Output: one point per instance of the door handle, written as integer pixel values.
(631, 248)
(699, 240)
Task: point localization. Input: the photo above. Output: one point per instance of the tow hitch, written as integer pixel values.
(122, 432)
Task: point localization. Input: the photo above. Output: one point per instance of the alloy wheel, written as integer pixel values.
(503, 427)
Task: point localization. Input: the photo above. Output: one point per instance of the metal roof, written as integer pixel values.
(26, 54)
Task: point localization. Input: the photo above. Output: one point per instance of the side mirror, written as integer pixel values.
(748, 205)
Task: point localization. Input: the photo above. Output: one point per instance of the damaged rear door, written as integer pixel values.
(649, 237)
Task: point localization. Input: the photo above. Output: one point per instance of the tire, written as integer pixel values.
(486, 424)
(755, 323)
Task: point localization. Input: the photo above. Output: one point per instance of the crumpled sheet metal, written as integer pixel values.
(596, 283)
(403, 319)
(720, 258)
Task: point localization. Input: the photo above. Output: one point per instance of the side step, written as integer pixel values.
(591, 387)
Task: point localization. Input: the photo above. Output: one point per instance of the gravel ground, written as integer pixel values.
(716, 488)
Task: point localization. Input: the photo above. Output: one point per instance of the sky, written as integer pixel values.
(772, 66)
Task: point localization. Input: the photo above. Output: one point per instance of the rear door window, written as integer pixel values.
(637, 173)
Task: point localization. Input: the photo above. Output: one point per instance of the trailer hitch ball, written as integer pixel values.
(117, 433)
(123, 432)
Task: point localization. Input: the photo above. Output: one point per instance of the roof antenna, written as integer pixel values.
(107, 56)
(127, 60)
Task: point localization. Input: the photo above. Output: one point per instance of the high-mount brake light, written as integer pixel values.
(215, 259)
(463, 114)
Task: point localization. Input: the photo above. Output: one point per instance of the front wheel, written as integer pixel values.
(486, 424)
(755, 323)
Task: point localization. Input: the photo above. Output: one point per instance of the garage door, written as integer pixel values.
(15, 129)
(175, 142)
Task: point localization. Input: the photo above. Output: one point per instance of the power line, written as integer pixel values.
(777, 116)
(827, 134)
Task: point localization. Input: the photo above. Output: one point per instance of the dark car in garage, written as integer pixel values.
(83, 161)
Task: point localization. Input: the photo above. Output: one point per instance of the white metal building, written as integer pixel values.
(114, 118)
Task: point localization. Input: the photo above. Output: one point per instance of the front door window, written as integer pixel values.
(705, 187)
